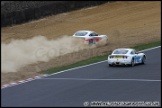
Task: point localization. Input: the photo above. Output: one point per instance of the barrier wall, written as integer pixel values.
(17, 12)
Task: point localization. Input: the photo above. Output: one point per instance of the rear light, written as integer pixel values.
(125, 57)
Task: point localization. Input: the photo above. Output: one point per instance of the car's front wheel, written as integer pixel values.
(143, 59)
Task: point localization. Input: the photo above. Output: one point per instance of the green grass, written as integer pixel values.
(148, 45)
(98, 58)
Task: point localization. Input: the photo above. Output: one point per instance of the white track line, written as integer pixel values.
(98, 79)
(149, 49)
(77, 67)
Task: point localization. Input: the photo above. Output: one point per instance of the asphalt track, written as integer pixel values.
(98, 82)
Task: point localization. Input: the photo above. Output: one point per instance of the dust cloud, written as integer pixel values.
(19, 53)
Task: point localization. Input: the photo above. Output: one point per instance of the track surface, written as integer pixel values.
(92, 83)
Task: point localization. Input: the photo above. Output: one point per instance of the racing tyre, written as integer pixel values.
(143, 60)
(132, 62)
(110, 65)
(90, 41)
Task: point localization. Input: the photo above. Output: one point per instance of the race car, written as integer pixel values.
(126, 56)
(90, 37)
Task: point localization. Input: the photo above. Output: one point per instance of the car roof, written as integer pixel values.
(89, 31)
(124, 49)
(129, 49)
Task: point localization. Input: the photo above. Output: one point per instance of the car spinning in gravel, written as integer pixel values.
(126, 56)
(90, 37)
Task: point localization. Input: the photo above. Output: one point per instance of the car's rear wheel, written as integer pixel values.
(90, 41)
(143, 59)
(132, 62)
(110, 65)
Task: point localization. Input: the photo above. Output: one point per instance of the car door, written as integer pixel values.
(134, 55)
(137, 57)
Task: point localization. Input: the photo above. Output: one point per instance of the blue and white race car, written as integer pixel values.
(126, 56)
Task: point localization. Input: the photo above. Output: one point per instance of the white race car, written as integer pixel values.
(90, 37)
(126, 56)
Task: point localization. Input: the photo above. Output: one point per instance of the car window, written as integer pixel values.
(93, 34)
(133, 52)
(80, 33)
(120, 51)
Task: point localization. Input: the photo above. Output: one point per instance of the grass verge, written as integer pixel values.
(97, 58)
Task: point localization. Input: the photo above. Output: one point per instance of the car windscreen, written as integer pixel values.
(80, 33)
(120, 51)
